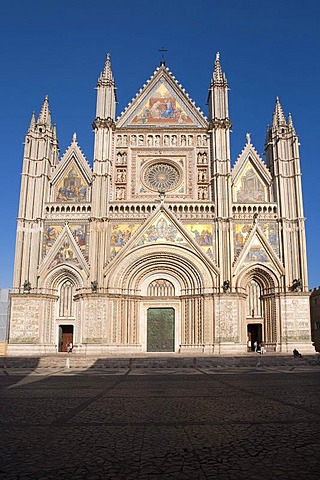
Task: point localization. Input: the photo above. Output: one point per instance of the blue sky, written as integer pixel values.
(58, 48)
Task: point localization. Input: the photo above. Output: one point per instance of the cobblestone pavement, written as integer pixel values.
(232, 423)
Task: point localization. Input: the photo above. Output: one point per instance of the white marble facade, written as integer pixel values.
(164, 244)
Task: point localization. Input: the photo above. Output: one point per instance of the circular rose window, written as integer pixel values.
(161, 177)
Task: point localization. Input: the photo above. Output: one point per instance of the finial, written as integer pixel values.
(278, 115)
(45, 115)
(74, 137)
(218, 76)
(107, 73)
(163, 60)
(248, 137)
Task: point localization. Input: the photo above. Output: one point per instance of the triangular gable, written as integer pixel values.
(162, 102)
(257, 250)
(65, 251)
(53, 230)
(72, 177)
(163, 228)
(251, 178)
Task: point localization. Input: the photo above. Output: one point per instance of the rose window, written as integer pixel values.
(162, 177)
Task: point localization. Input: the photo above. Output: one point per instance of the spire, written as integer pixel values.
(218, 76)
(106, 76)
(45, 115)
(278, 115)
(32, 121)
(290, 123)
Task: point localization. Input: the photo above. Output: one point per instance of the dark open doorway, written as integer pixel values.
(65, 336)
(254, 334)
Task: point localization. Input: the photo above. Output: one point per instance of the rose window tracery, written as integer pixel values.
(161, 177)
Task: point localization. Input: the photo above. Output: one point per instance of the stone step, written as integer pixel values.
(64, 360)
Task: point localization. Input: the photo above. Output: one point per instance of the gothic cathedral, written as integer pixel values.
(163, 245)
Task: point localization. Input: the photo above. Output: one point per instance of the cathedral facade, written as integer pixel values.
(163, 245)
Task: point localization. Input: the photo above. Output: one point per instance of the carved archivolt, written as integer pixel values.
(189, 271)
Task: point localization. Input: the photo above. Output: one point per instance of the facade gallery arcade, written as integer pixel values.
(162, 246)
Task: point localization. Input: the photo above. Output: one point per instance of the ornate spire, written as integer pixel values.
(32, 121)
(290, 123)
(106, 76)
(278, 115)
(45, 115)
(218, 76)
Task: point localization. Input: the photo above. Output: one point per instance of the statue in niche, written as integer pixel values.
(124, 157)
(133, 140)
(141, 140)
(204, 140)
(125, 139)
(150, 140)
(190, 140)
(198, 140)
(166, 140)
(204, 158)
(174, 140)
(183, 140)
(119, 157)
(119, 139)
(157, 140)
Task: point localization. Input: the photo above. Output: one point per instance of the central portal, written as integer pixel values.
(160, 329)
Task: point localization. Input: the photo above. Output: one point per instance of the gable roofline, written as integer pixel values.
(129, 246)
(80, 160)
(141, 95)
(275, 261)
(247, 152)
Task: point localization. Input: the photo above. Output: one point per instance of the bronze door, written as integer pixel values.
(160, 329)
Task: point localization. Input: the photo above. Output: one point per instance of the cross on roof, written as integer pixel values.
(163, 60)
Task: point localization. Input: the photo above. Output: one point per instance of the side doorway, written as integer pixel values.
(254, 333)
(65, 337)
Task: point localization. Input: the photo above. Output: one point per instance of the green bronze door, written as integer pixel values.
(160, 330)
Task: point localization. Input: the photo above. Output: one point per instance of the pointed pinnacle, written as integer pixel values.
(278, 115)
(290, 123)
(45, 115)
(218, 76)
(107, 73)
(32, 121)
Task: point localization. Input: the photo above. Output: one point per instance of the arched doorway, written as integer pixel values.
(260, 322)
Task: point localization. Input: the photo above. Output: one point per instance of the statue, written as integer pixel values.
(94, 286)
(26, 287)
(226, 286)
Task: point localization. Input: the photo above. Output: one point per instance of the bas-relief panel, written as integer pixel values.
(120, 234)
(72, 187)
(250, 188)
(79, 232)
(162, 108)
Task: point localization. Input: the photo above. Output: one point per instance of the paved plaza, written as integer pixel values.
(168, 423)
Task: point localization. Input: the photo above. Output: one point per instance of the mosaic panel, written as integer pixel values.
(250, 188)
(120, 234)
(72, 187)
(52, 232)
(256, 253)
(65, 254)
(162, 107)
(241, 232)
